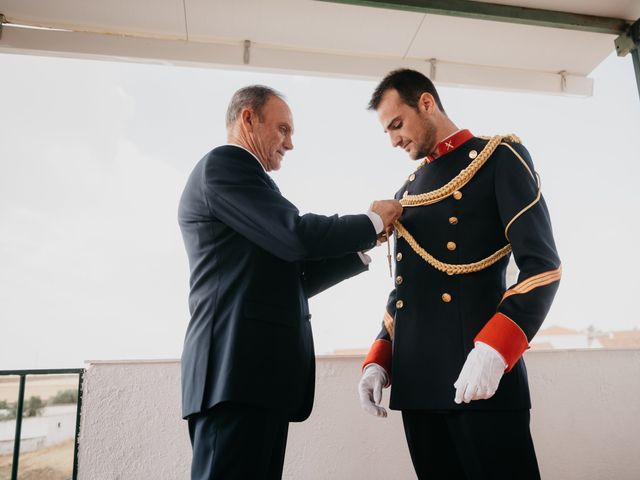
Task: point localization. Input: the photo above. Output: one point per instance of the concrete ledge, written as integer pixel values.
(585, 422)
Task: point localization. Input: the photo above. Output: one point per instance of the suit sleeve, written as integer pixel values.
(238, 194)
(320, 275)
(527, 225)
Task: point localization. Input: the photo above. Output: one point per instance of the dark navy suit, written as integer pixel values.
(254, 262)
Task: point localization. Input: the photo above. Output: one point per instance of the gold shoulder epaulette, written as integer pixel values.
(509, 137)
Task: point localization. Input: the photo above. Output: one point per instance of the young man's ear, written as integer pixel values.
(427, 103)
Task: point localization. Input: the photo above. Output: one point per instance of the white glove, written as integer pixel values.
(480, 374)
(374, 379)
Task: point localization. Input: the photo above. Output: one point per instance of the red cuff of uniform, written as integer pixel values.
(506, 337)
(380, 353)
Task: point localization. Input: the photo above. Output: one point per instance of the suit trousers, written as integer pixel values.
(471, 445)
(233, 441)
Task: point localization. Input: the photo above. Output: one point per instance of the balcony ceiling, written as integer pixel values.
(324, 38)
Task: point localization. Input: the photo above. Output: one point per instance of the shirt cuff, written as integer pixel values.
(366, 259)
(376, 220)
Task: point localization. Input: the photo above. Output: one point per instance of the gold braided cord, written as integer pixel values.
(460, 180)
(441, 193)
(521, 212)
(388, 323)
(450, 268)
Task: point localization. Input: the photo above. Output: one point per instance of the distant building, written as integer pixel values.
(350, 351)
(560, 338)
(555, 337)
(621, 339)
(56, 424)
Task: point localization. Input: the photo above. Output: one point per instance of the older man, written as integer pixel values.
(453, 333)
(248, 365)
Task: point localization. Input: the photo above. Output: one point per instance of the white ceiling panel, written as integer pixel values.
(500, 44)
(156, 18)
(304, 25)
(315, 37)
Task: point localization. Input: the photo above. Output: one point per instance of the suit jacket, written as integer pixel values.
(432, 318)
(254, 261)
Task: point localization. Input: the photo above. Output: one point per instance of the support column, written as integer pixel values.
(635, 54)
(629, 42)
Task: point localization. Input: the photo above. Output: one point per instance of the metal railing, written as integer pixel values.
(20, 406)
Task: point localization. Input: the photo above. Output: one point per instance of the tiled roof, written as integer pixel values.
(555, 330)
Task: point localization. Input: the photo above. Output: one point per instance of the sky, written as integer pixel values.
(94, 156)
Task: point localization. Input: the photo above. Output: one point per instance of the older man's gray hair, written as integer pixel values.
(253, 97)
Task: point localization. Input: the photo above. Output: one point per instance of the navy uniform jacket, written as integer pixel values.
(432, 318)
(254, 261)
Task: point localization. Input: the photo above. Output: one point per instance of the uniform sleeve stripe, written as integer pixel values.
(534, 282)
(541, 277)
(388, 323)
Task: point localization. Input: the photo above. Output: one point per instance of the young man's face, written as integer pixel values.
(412, 129)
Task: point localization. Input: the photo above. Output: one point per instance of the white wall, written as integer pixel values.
(56, 424)
(585, 422)
(61, 423)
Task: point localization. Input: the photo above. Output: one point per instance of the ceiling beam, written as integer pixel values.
(629, 40)
(231, 56)
(500, 13)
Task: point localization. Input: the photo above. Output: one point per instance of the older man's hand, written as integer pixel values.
(389, 211)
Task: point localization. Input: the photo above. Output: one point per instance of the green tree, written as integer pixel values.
(33, 407)
(64, 397)
(9, 410)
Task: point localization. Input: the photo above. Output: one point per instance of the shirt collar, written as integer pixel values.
(449, 144)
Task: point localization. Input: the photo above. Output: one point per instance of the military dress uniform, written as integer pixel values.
(438, 310)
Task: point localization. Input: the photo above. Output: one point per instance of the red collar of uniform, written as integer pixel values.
(449, 144)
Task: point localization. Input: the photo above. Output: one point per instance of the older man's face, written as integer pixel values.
(272, 133)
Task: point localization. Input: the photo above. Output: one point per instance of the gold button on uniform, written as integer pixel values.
(451, 246)
(446, 298)
(457, 195)
(412, 177)
(399, 304)
(399, 280)
(398, 256)
(473, 154)
(453, 220)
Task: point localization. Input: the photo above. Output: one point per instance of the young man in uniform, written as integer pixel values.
(453, 333)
